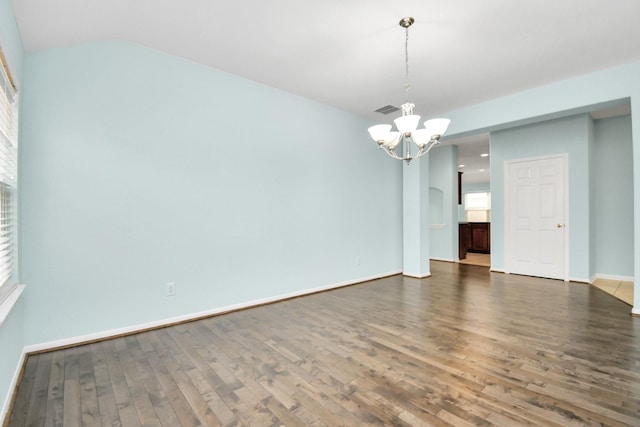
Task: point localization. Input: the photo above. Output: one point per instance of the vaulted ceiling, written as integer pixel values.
(350, 54)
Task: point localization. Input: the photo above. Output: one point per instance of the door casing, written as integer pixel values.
(509, 227)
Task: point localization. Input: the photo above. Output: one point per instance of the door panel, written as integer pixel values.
(535, 232)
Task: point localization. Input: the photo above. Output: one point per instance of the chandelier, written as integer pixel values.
(407, 125)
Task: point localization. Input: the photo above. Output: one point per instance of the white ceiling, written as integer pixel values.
(475, 168)
(350, 54)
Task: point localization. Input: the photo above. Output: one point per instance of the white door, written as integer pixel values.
(535, 224)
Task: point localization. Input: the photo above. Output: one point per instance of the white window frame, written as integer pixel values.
(477, 210)
(9, 110)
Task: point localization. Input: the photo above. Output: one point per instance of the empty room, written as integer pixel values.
(264, 213)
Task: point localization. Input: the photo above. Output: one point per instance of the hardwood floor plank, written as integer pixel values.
(72, 412)
(109, 415)
(158, 360)
(18, 415)
(213, 401)
(463, 347)
(178, 364)
(121, 391)
(192, 347)
(143, 357)
(141, 399)
(54, 415)
(591, 410)
(308, 378)
(38, 396)
(88, 392)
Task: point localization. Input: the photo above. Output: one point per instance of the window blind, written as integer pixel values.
(8, 179)
(477, 201)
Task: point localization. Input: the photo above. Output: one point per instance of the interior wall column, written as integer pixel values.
(415, 218)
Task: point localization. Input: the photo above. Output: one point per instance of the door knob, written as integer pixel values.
(559, 225)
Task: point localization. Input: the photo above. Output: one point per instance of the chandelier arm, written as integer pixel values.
(408, 155)
(392, 153)
(433, 143)
(430, 147)
(424, 150)
(421, 153)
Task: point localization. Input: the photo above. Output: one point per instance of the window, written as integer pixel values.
(8, 179)
(478, 207)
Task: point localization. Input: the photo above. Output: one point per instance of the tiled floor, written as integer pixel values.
(477, 259)
(619, 289)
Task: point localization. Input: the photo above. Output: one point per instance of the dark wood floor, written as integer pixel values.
(464, 347)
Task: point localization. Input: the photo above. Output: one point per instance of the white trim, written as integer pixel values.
(417, 276)
(443, 259)
(9, 302)
(10, 64)
(437, 225)
(611, 277)
(13, 386)
(507, 243)
(577, 279)
(192, 316)
(635, 311)
(498, 270)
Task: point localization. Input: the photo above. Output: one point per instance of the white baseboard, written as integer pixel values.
(635, 311)
(443, 259)
(578, 279)
(66, 342)
(416, 275)
(13, 386)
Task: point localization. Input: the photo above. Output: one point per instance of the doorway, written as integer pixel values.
(536, 232)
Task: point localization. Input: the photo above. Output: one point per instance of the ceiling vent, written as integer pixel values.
(387, 109)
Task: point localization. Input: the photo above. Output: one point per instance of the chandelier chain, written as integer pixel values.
(407, 86)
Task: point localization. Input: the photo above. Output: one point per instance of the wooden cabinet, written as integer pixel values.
(480, 237)
(463, 240)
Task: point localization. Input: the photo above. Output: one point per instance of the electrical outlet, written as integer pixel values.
(171, 289)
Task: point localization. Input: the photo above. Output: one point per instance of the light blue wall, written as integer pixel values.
(140, 168)
(443, 179)
(12, 330)
(592, 216)
(588, 92)
(613, 191)
(415, 219)
(568, 135)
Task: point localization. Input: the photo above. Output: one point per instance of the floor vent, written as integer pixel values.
(387, 109)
